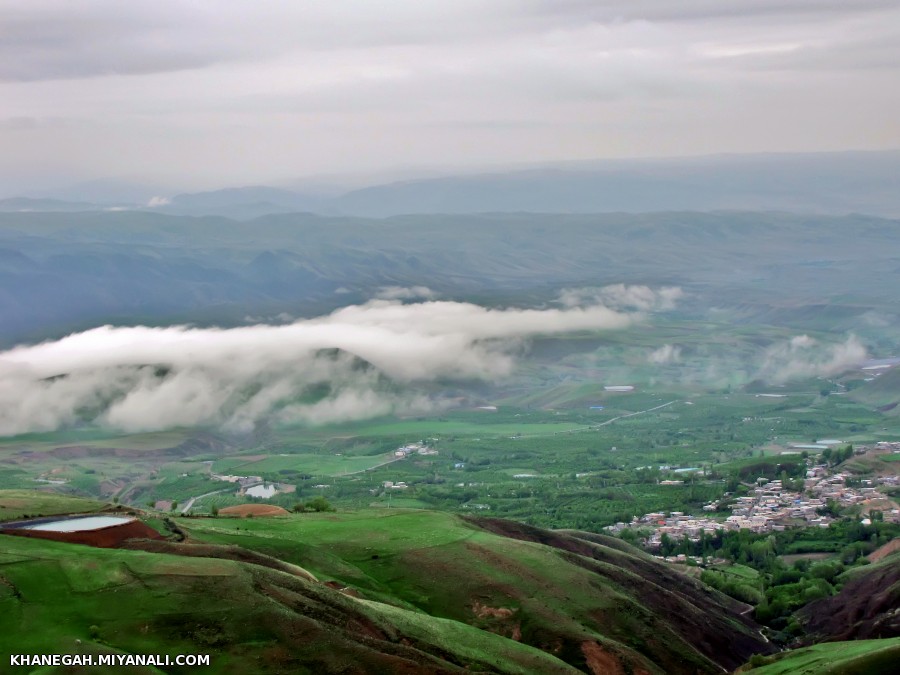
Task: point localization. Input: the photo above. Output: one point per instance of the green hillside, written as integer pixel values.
(883, 392)
(367, 591)
(16, 504)
(557, 592)
(865, 607)
(57, 598)
(859, 657)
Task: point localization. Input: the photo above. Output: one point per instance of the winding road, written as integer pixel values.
(602, 424)
(190, 502)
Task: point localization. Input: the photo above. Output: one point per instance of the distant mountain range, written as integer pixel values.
(821, 183)
(62, 271)
(44, 205)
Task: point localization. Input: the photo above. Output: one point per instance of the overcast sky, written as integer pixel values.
(211, 93)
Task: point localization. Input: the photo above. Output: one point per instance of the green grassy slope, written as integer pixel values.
(859, 657)
(865, 607)
(63, 598)
(16, 504)
(882, 392)
(568, 598)
(396, 590)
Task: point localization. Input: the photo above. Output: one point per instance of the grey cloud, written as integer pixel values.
(212, 92)
(700, 10)
(57, 40)
(19, 123)
(27, 123)
(54, 39)
(861, 43)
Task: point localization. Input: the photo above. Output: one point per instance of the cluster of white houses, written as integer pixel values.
(414, 449)
(242, 481)
(771, 507)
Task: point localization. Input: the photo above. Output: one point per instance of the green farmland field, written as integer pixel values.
(414, 430)
(316, 465)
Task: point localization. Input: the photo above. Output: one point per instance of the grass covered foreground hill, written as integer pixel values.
(251, 618)
(369, 591)
(858, 657)
(590, 600)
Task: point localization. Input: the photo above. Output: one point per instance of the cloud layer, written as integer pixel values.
(804, 356)
(359, 361)
(665, 354)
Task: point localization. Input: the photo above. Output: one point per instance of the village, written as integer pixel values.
(772, 507)
(405, 452)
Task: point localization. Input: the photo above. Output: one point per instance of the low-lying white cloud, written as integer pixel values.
(665, 354)
(405, 293)
(357, 362)
(804, 356)
(625, 297)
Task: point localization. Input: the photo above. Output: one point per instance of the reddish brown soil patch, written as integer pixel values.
(105, 537)
(681, 608)
(599, 661)
(244, 510)
(483, 611)
(884, 551)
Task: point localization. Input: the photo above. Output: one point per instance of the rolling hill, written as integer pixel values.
(367, 591)
(819, 183)
(858, 657)
(866, 606)
(883, 392)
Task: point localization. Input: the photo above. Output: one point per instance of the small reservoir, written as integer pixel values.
(262, 491)
(84, 524)
(105, 531)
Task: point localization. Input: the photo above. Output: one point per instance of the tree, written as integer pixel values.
(831, 508)
(174, 506)
(214, 511)
(666, 545)
(319, 504)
